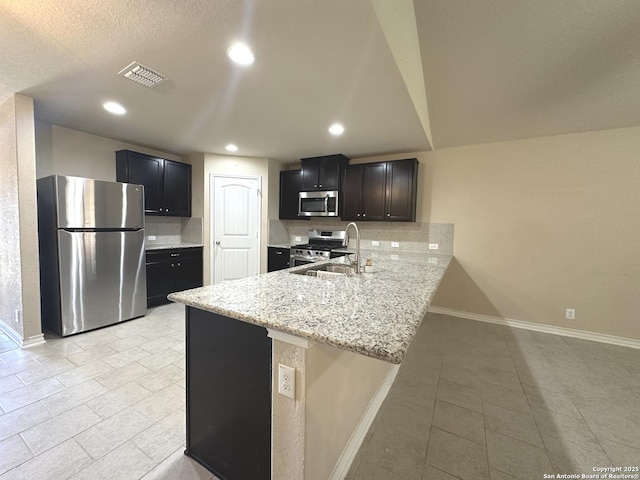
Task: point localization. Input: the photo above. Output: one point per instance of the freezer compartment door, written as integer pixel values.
(86, 203)
(102, 278)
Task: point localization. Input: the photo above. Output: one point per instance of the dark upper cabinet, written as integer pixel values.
(290, 186)
(177, 189)
(364, 190)
(382, 191)
(402, 189)
(352, 193)
(323, 173)
(167, 184)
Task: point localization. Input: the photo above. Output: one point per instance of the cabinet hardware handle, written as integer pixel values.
(172, 265)
(358, 214)
(278, 253)
(364, 215)
(175, 254)
(315, 186)
(218, 243)
(320, 186)
(388, 214)
(178, 263)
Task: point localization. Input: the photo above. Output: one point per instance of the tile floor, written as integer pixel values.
(480, 401)
(107, 404)
(471, 401)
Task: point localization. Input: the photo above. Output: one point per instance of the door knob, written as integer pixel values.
(218, 243)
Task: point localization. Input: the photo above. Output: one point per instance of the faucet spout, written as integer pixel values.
(346, 230)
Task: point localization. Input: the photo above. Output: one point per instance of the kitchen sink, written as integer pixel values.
(331, 269)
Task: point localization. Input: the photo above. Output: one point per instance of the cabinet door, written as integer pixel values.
(352, 193)
(310, 172)
(177, 189)
(290, 186)
(402, 178)
(188, 273)
(329, 173)
(323, 173)
(160, 282)
(277, 258)
(141, 169)
(373, 191)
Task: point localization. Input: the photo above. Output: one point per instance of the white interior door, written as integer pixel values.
(235, 227)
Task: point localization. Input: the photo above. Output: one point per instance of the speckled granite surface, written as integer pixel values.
(374, 314)
(279, 245)
(165, 246)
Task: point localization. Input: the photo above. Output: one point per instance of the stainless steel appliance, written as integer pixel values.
(92, 258)
(318, 204)
(321, 247)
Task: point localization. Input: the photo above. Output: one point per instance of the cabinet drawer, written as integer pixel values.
(165, 255)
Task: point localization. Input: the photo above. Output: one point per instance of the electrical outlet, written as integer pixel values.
(298, 239)
(375, 243)
(433, 260)
(395, 244)
(570, 314)
(18, 316)
(433, 246)
(287, 381)
(394, 256)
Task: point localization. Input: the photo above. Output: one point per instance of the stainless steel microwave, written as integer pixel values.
(318, 204)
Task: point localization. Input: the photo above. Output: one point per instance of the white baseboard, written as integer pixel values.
(357, 437)
(17, 338)
(540, 327)
(33, 341)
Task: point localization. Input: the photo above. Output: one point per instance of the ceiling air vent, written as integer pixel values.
(142, 75)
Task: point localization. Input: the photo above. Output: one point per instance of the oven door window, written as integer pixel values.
(296, 262)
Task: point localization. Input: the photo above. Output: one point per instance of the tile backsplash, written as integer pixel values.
(173, 229)
(412, 237)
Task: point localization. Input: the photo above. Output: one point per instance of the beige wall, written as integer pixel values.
(339, 387)
(19, 273)
(239, 166)
(63, 151)
(541, 225)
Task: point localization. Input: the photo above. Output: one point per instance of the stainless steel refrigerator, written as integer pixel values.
(92, 258)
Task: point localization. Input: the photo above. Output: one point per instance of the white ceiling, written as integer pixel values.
(491, 71)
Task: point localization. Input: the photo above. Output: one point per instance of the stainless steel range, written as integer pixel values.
(322, 245)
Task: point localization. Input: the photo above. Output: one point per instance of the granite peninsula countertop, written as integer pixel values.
(166, 246)
(375, 314)
(279, 245)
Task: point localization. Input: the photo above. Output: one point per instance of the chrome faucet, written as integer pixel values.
(346, 243)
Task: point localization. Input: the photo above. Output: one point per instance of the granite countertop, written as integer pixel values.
(165, 246)
(375, 314)
(279, 245)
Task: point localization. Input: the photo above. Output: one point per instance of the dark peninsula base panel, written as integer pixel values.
(228, 396)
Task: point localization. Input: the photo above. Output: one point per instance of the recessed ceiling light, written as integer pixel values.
(336, 129)
(240, 54)
(115, 108)
(231, 148)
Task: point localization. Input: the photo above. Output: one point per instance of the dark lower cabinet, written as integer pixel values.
(277, 258)
(228, 369)
(172, 270)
